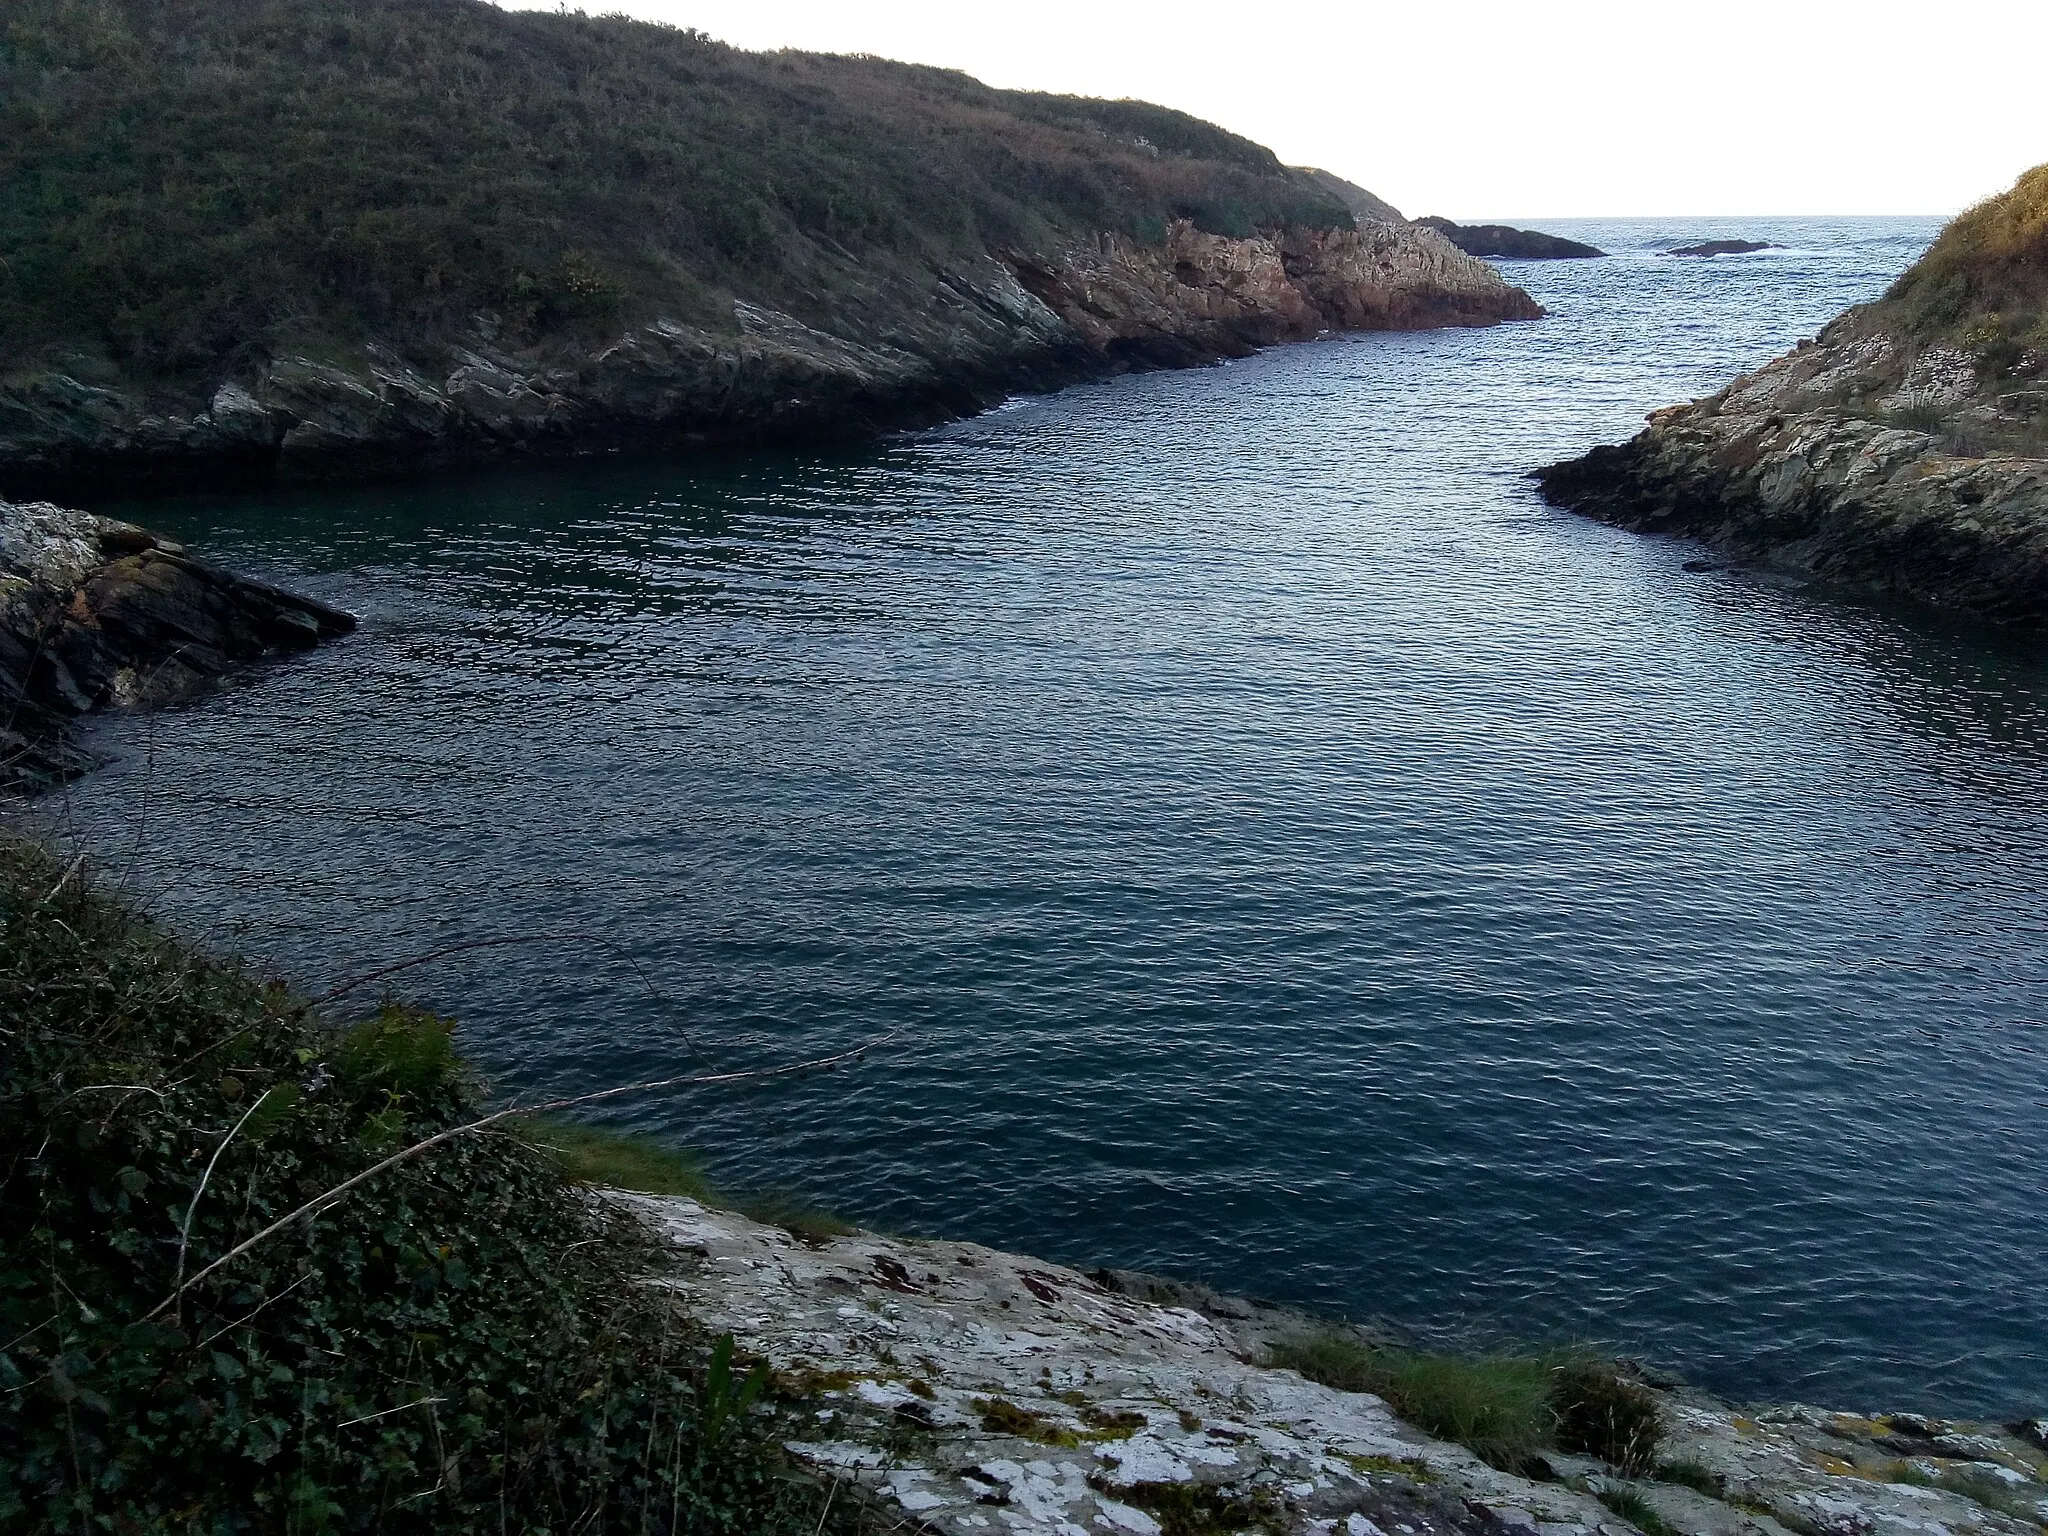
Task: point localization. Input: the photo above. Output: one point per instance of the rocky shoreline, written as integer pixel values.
(100, 614)
(1893, 498)
(979, 1391)
(916, 352)
(1903, 451)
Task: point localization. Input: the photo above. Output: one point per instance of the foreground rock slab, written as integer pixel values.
(982, 1391)
(97, 614)
(985, 1391)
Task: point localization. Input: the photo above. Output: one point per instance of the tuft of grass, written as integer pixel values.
(1495, 1405)
(1992, 1492)
(1690, 1474)
(1502, 1407)
(1602, 1413)
(1000, 1416)
(1636, 1510)
(1198, 1509)
(591, 1154)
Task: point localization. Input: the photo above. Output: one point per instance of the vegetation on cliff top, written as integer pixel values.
(461, 1344)
(188, 184)
(1983, 284)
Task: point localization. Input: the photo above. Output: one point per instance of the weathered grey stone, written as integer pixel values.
(984, 1391)
(96, 613)
(1799, 468)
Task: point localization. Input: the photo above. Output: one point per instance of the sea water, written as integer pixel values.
(1275, 847)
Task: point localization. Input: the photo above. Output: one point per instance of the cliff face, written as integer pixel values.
(1904, 451)
(908, 352)
(340, 238)
(96, 614)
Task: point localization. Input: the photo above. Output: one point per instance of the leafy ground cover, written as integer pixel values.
(460, 1344)
(187, 185)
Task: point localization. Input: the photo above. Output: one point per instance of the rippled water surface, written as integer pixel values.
(1284, 851)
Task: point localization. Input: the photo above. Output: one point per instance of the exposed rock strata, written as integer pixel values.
(1863, 459)
(909, 354)
(989, 1392)
(97, 614)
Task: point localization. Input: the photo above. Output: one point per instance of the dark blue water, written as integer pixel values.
(1284, 851)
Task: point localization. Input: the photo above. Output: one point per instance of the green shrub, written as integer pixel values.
(1690, 1474)
(188, 186)
(1636, 1510)
(1983, 284)
(460, 1345)
(1504, 1407)
(794, 1214)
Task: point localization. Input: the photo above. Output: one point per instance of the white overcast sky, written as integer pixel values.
(1518, 108)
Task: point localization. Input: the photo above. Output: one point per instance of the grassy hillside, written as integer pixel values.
(1984, 283)
(461, 1344)
(185, 184)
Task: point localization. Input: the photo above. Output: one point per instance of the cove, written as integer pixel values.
(1287, 853)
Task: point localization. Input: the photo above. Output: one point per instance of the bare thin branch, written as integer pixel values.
(192, 1207)
(322, 1201)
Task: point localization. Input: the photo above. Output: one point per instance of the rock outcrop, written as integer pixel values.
(1723, 248)
(910, 355)
(981, 1391)
(1906, 496)
(98, 614)
(1904, 451)
(1509, 243)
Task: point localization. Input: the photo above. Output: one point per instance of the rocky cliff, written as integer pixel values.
(98, 614)
(1903, 451)
(420, 233)
(911, 354)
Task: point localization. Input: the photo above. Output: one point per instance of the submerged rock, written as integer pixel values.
(96, 614)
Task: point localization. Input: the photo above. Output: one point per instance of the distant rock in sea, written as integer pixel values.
(1724, 248)
(1508, 243)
